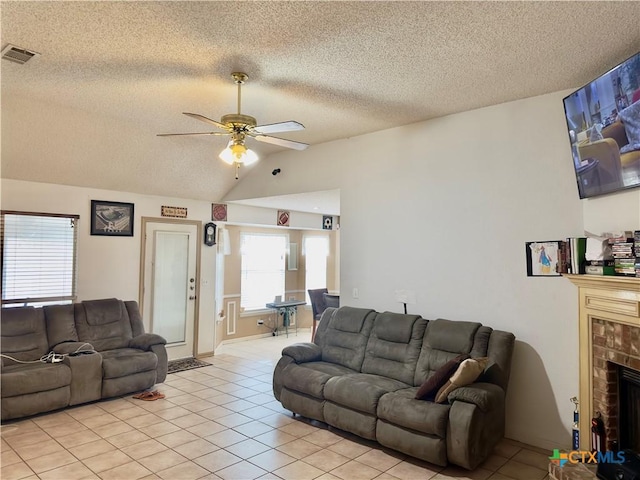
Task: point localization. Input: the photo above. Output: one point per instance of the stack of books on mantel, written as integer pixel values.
(623, 253)
(636, 248)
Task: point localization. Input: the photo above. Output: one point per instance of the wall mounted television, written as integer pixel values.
(603, 121)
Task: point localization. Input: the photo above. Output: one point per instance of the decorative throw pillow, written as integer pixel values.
(467, 373)
(431, 385)
(630, 117)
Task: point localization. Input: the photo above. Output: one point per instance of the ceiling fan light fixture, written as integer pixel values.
(238, 153)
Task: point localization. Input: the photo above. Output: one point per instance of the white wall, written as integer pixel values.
(107, 266)
(444, 208)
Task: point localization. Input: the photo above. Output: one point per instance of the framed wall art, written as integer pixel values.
(113, 219)
(542, 258)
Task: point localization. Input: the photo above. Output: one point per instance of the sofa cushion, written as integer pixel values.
(360, 391)
(467, 373)
(127, 361)
(34, 377)
(394, 346)
(444, 340)
(61, 325)
(24, 334)
(346, 336)
(310, 378)
(103, 323)
(431, 385)
(401, 408)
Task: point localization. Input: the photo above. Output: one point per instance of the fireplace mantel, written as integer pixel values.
(612, 299)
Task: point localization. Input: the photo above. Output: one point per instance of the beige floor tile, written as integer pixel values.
(225, 438)
(4, 445)
(130, 412)
(179, 437)
(260, 398)
(98, 420)
(386, 476)
(499, 476)
(91, 449)
(535, 459)
(144, 420)
(53, 419)
(15, 471)
(198, 405)
(159, 429)
(223, 398)
(453, 472)
(543, 451)
(215, 412)
(72, 426)
(9, 457)
(353, 470)
(206, 428)
(79, 438)
(253, 429)
(494, 462)
(277, 420)
(106, 461)
(326, 460)
(409, 470)
(298, 429)
(349, 448)
(162, 460)
(257, 412)
(241, 470)
(184, 471)
(233, 420)
(322, 438)
(380, 460)
(144, 449)
(520, 471)
(83, 412)
(328, 476)
(49, 462)
(298, 471)
(217, 460)
(128, 438)
(18, 427)
(173, 413)
(239, 405)
(272, 460)
(111, 429)
(247, 448)
(299, 448)
(197, 448)
(72, 471)
(189, 420)
(115, 405)
(128, 471)
(29, 438)
(182, 399)
(506, 449)
(27, 452)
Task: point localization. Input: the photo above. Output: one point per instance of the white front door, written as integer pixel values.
(170, 285)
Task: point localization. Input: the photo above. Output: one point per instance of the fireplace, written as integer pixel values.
(609, 350)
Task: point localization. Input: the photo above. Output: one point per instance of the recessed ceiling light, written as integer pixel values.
(17, 54)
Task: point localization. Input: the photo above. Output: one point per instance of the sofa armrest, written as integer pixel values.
(486, 396)
(72, 347)
(146, 341)
(303, 352)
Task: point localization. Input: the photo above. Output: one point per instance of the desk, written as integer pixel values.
(286, 309)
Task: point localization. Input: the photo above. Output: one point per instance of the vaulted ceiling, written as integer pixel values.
(112, 75)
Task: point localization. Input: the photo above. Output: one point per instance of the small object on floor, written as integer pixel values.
(149, 396)
(185, 364)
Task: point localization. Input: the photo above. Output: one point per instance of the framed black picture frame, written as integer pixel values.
(112, 219)
(542, 258)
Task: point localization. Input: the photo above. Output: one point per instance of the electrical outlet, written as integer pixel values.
(260, 322)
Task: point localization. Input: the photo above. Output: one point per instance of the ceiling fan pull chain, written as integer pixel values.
(237, 170)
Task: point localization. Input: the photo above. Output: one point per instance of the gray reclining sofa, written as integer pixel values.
(364, 368)
(127, 359)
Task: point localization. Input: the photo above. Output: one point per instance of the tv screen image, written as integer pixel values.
(603, 120)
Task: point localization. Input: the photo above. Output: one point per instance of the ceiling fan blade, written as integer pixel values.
(290, 126)
(202, 118)
(281, 142)
(199, 133)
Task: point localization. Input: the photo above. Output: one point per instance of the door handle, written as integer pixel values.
(192, 297)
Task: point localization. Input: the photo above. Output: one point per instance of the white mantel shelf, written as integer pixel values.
(612, 298)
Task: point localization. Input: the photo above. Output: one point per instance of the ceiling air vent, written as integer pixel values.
(17, 54)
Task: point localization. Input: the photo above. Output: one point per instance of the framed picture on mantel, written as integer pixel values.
(542, 258)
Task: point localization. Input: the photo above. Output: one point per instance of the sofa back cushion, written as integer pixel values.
(61, 326)
(445, 340)
(346, 335)
(394, 346)
(24, 334)
(103, 323)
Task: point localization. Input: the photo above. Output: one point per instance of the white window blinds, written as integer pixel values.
(38, 258)
(263, 269)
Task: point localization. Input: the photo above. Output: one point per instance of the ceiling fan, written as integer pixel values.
(239, 126)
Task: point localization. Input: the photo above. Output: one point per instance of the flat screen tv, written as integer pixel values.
(603, 120)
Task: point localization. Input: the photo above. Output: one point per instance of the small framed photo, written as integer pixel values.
(542, 258)
(113, 219)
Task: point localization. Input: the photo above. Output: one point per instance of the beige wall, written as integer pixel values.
(238, 324)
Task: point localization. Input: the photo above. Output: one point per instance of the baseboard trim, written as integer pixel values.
(262, 335)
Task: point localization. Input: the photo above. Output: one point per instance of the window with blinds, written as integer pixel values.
(38, 258)
(262, 270)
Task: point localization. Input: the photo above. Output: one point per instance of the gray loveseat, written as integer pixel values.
(364, 368)
(127, 359)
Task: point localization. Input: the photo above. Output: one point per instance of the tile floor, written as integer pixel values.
(221, 422)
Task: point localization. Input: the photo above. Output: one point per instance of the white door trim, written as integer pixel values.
(143, 254)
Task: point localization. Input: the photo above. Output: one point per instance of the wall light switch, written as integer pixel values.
(356, 293)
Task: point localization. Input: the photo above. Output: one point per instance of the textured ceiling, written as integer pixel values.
(128, 69)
